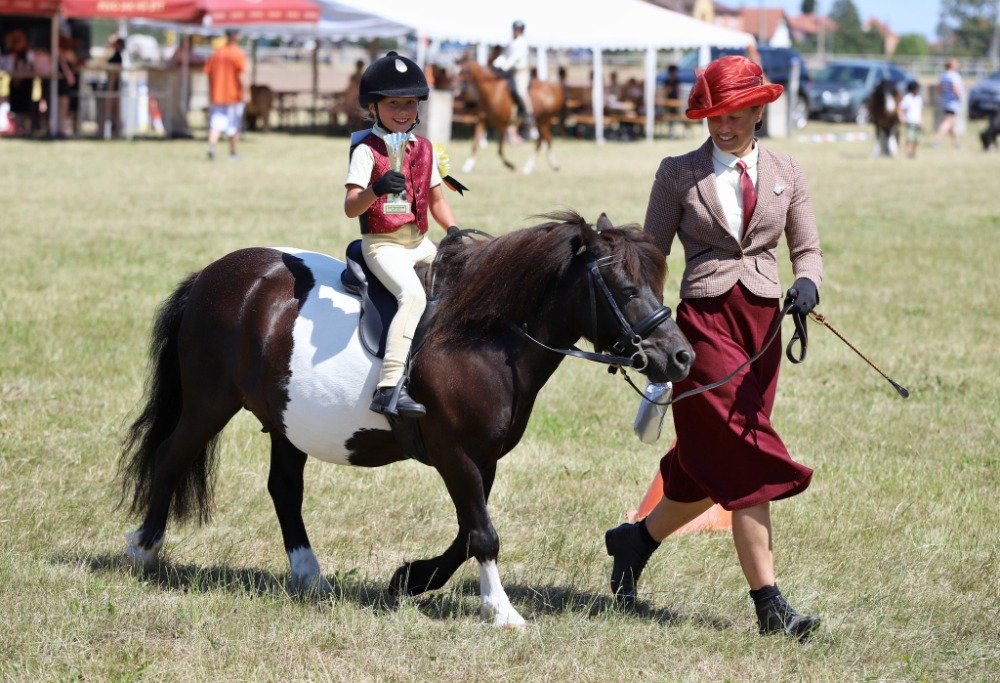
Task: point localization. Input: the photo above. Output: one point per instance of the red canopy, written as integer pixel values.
(35, 8)
(246, 12)
(164, 10)
(219, 12)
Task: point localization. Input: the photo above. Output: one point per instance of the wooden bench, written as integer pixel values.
(579, 115)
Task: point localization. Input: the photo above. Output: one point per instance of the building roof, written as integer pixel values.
(810, 24)
(880, 26)
(762, 22)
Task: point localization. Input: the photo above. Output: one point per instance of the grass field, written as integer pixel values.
(895, 543)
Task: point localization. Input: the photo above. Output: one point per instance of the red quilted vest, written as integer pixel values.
(419, 158)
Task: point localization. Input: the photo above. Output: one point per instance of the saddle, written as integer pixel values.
(378, 305)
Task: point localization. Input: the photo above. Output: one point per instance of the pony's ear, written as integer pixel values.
(583, 240)
(603, 222)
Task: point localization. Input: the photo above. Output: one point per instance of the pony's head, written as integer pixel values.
(567, 279)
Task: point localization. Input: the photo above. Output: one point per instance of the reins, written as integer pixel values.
(799, 336)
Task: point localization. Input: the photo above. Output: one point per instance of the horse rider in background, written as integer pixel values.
(513, 64)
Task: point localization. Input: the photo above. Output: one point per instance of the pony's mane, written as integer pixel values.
(510, 279)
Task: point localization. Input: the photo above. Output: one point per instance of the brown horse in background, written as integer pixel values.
(883, 111)
(496, 110)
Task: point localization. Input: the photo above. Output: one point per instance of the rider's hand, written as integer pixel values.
(393, 182)
(804, 294)
(452, 229)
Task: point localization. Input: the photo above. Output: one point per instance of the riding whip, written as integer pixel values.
(821, 319)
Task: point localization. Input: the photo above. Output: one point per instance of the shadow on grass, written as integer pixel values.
(461, 600)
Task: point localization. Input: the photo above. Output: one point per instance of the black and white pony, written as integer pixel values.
(275, 332)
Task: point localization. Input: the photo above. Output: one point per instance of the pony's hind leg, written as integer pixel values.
(285, 485)
(181, 477)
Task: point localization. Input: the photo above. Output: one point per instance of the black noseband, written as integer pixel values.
(646, 327)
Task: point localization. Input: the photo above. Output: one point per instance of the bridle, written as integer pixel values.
(626, 348)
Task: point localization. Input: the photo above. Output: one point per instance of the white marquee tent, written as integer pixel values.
(620, 25)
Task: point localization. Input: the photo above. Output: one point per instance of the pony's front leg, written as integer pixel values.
(529, 165)
(478, 136)
(469, 487)
(495, 605)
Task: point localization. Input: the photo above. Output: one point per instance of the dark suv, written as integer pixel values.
(777, 65)
(840, 90)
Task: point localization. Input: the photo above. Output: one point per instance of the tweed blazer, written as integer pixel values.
(685, 202)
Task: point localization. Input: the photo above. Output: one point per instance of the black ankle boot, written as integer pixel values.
(631, 547)
(405, 405)
(775, 615)
(381, 400)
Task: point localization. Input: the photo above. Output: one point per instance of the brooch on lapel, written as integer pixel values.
(779, 188)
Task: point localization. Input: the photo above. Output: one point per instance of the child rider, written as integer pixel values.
(394, 244)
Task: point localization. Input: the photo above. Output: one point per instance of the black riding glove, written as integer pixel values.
(393, 182)
(804, 294)
(452, 229)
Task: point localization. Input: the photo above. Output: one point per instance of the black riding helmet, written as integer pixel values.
(392, 76)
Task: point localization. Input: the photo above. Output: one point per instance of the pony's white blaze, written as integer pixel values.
(332, 376)
(495, 604)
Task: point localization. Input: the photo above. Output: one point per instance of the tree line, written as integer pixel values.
(965, 28)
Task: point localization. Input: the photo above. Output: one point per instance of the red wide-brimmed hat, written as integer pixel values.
(729, 84)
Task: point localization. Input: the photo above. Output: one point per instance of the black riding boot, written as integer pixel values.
(775, 615)
(631, 547)
(405, 405)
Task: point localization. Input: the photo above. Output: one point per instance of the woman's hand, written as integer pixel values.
(804, 294)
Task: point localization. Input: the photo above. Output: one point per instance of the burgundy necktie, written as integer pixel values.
(749, 193)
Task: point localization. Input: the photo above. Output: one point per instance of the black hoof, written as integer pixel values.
(412, 579)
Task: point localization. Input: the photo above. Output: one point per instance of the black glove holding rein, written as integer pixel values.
(802, 298)
(804, 294)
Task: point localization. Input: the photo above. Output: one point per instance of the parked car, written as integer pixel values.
(839, 91)
(776, 63)
(984, 97)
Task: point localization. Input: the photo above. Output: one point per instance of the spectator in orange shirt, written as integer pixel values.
(225, 69)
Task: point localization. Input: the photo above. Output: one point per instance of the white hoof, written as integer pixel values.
(139, 556)
(307, 578)
(502, 616)
(303, 585)
(469, 164)
(529, 166)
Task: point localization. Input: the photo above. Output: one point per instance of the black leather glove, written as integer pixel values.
(804, 294)
(452, 229)
(393, 182)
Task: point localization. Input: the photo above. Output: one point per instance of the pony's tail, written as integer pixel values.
(159, 418)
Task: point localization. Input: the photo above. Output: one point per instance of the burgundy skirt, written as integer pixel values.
(726, 448)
